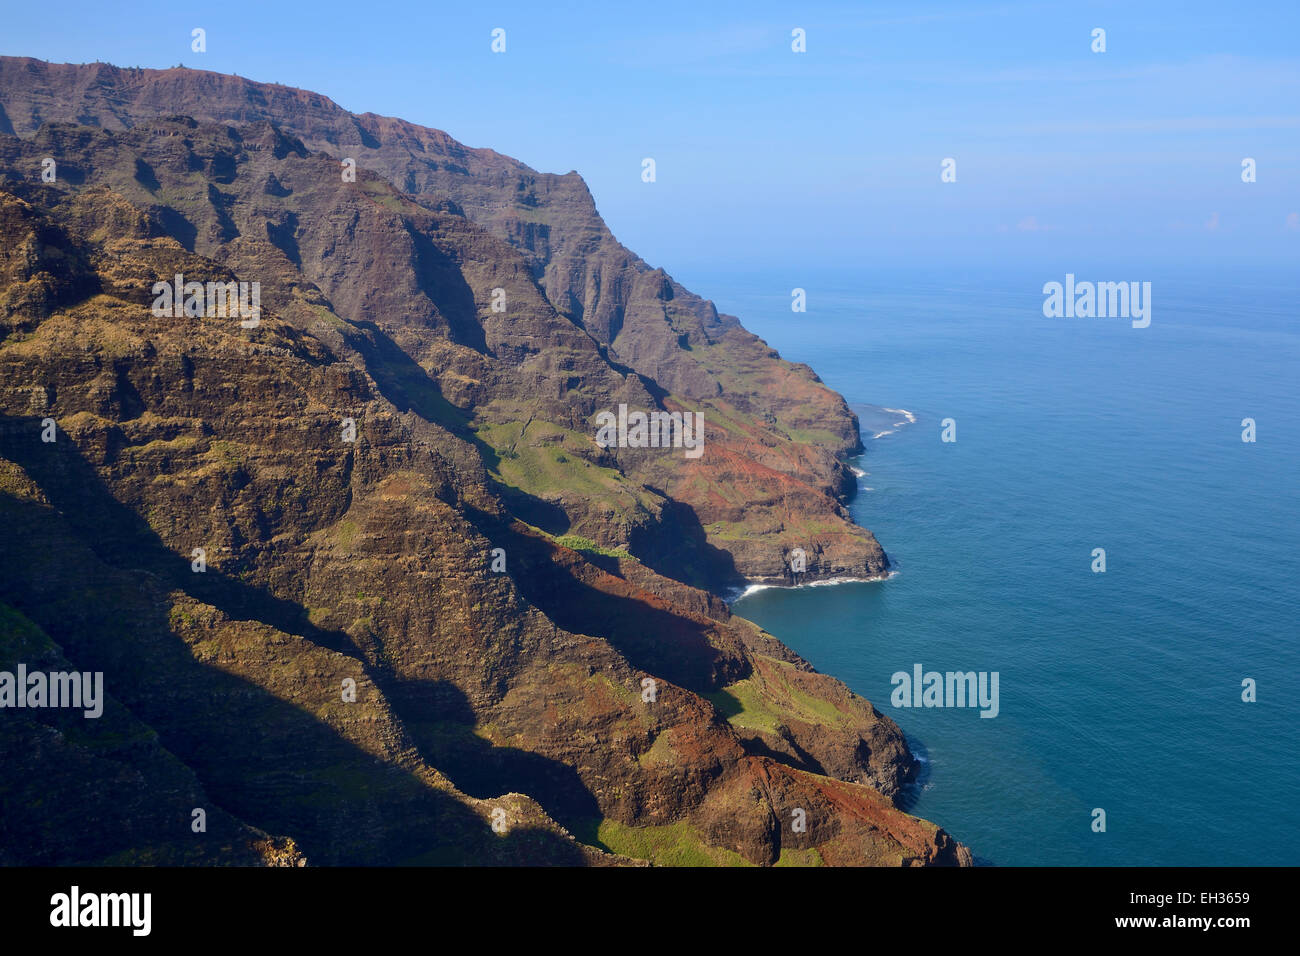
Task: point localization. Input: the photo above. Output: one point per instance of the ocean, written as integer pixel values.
(1120, 691)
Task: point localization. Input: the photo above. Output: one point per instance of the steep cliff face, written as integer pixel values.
(516, 606)
(774, 431)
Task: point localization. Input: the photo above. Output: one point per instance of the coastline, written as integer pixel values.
(880, 420)
(741, 591)
(919, 762)
(875, 416)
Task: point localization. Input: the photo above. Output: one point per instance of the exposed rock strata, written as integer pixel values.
(370, 560)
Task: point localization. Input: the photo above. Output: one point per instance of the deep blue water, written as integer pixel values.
(1122, 690)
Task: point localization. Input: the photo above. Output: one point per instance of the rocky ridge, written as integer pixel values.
(518, 698)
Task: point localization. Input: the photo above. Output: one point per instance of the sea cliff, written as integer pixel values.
(393, 484)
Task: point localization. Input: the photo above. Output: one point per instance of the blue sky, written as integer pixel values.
(767, 158)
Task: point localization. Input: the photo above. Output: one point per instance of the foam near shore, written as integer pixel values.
(740, 593)
(879, 420)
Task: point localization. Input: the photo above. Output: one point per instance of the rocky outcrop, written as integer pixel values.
(397, 497)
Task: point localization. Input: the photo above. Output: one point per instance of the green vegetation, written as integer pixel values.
(827, 712)
(767, 700)
(792, 857)
(382, 192)
(159, 446)
(226, 451)
(675, 844)
(179, 617)
(577, 542)
(329, 318)
(660, 754)
(543, 459)
(743, 705)
(345, 532)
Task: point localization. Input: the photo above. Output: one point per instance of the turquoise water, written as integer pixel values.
(1120, 690)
